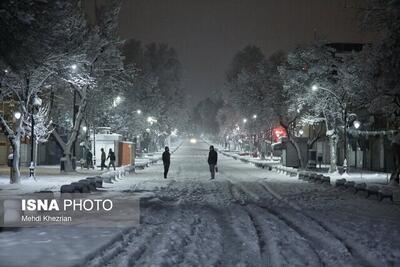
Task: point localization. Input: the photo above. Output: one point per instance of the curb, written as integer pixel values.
(380, 191)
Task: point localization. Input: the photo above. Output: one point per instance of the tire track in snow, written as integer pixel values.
(335, 249)
(355, 253)
(350, 249)
(272, 252)
(285, 247)
(130, 245)
(179, 239)
(260, 239)
(237, 237)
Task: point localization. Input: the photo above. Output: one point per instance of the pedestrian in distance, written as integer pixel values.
(103, 159)
(212, 161)
(89, 159)
(394, 178)
(166, 158)
(111, 156)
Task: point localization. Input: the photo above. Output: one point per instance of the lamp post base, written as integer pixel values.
(32, 170)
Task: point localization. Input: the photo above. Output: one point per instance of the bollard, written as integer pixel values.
(91, 185)
(340, 182)
(67, 189)
(326, 179)
(350, 184)
(372, 190)
(360, 187)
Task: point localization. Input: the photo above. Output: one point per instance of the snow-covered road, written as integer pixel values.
(249, 217)
(246, 217)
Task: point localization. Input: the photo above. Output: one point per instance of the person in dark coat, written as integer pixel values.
(166, 158)
(103, 159)
(111, 156)
(212, 161)
(394, 178)
(89, 159)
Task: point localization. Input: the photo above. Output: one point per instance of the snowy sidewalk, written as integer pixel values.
(356, 175)
(49, 178)
(369, 182)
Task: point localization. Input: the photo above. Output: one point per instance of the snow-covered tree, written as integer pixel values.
(23, 88)
(324, 84)
(250, 79)
(155, 86)
(28, 62)
(381, 61)
(93, 66)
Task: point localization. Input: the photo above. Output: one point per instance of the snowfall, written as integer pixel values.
(247, 216)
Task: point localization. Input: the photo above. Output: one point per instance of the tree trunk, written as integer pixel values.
(16, 146)
(67, 148)
(298, 152)
(68, 166)
(333, 140)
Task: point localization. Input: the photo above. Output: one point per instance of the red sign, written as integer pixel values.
(278, 132)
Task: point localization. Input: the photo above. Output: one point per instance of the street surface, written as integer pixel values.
(246, 217)
(250, 217)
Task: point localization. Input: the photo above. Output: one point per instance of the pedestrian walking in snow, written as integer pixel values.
(89, 159)
(111, 156)
(212, 161)
(396, 158)
(166, 158)
(103, 159)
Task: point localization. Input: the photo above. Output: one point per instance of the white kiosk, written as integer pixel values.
(106, 140)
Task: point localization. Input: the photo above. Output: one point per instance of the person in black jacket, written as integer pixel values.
(103, 159)
(111, 156)
(212, 161)
(166, 158)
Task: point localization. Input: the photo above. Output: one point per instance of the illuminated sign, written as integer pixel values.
(278, 132)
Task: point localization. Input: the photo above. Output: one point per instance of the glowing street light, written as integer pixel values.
(117, 101)
(84, 128)
(255, 116)
(138, 111)
(314, 87)
(17, 115)
(244, 120)
(301, 132)
(74, 67)
(356, 124)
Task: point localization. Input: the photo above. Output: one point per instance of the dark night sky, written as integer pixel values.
(207, 33)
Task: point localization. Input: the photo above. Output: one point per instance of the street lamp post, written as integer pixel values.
(37, 102)
(356, 125)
